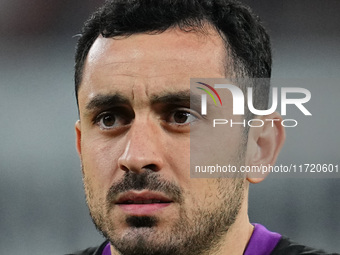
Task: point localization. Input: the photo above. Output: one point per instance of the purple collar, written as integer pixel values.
(107, 250)
(262, 241)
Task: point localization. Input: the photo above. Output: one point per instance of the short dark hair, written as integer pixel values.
(246, 40)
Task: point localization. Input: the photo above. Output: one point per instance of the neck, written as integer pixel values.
(237, 238)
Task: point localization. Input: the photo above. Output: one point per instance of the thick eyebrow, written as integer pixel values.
(181, 97)
(103, 101)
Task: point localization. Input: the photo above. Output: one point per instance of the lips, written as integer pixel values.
(143, 203)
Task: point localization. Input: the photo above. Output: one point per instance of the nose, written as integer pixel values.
(143, 149)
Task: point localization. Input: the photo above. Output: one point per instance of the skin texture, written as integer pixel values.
(149, 144)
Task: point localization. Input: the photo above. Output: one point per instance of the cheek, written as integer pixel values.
(95, 198)
(99, 159)
(201, 195)
(210, 193)
(177, 156)
(220, 146)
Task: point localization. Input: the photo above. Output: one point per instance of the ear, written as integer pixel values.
(264, 145)
(78, 137)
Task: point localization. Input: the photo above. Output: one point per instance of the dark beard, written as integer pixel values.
(187, 236)
(141, 221)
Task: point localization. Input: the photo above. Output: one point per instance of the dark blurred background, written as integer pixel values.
(42, 206)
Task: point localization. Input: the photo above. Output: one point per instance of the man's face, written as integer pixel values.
(134, 142)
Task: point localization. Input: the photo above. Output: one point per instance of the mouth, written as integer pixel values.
(144, 203)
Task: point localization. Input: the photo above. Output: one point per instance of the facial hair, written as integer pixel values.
(193, 235)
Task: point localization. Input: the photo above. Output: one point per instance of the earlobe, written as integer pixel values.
(78, 137)
(264, 145)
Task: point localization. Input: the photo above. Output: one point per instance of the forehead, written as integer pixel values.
(144, 65)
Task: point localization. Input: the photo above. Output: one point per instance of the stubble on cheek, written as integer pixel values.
(97, 205)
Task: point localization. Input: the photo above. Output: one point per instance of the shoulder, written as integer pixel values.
(91, 251)
(288, 247)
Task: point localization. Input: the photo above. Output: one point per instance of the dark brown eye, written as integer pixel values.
(114, 119)
(108, 121)
(181, 117)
